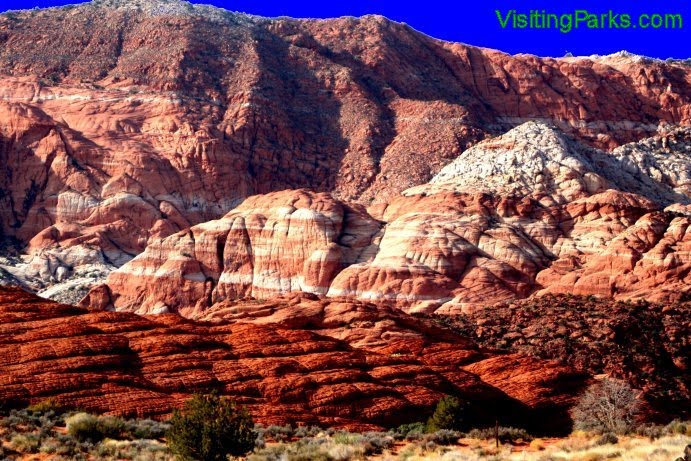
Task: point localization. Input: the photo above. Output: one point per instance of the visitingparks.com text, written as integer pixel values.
(584, 19)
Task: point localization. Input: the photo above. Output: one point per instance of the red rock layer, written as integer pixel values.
(298, 360)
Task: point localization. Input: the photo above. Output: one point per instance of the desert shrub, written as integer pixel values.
(111, 427)
(145, 429)
(209, 428)
(46, 406)
(65, 445)
(607, 439)
(86, 427)
(23, 418)
(427, 445)
(141, 450)
(25, 443)
(50, 446)
(83, 427)
(607, 406)
(506, 434)
(105, 450)
(451, 413)
(45, 431)
(651, 431)
(279, 433)
(443, 437)
(273, 453)
(346, 438)
(405, 430)
(337, 452)
(307, 431)
(678, 427)
(304, 451)
(376, 442)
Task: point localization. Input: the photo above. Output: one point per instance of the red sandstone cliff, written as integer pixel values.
(195, 157)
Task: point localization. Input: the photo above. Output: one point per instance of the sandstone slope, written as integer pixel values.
(122, 121)
(295, 360)
(547, 215)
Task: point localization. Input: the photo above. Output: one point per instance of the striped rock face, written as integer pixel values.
(271, 244)
(478, 233)
(297, 360)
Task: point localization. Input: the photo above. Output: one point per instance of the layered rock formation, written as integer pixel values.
(204, 163)
(300, 360)
(271, 244)
(142, 118)
(547, 215)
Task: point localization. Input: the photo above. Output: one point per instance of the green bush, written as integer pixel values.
(209, 428)
(90, 428)
(279, 433)
(451, 413)
(146, 429)
(506, 434)
(313, 449)
(140, 450)
(443, 437)
(346, 438)
(45, 406)
(305, 431)
(25, 443)
(84, 427)
(405, 431)
(111, 427)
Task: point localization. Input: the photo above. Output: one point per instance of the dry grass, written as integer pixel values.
(578, 447)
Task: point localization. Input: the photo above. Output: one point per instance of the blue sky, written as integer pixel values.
(475, 22)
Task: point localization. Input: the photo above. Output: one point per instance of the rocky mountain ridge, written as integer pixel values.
(642, 343)
(126, 122)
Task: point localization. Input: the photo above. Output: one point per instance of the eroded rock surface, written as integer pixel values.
(141, 119)
(546, 215)
(292, 360)
(271, 244)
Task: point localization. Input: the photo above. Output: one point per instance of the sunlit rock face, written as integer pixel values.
(297, 360)
(481, 231)
(143, 118)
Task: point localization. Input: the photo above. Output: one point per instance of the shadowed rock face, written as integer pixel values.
(292, 360)
(123, 122)
(643, 343)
